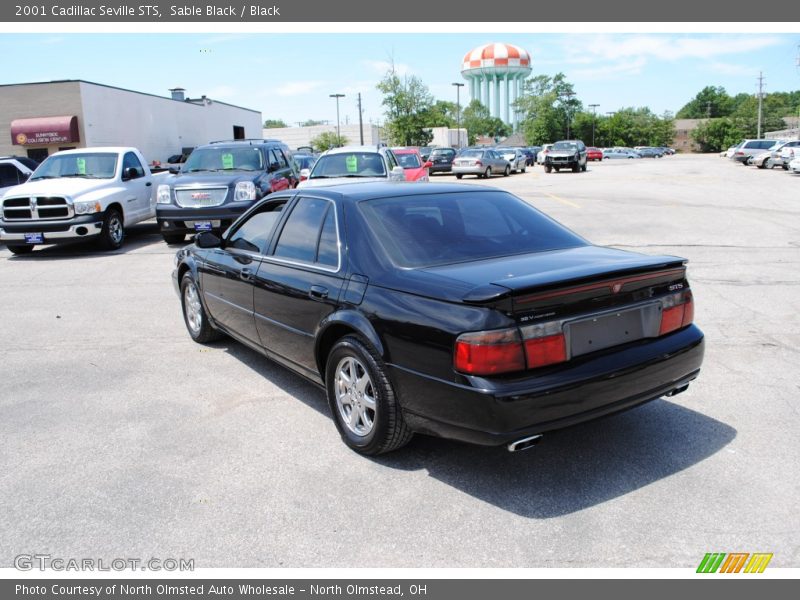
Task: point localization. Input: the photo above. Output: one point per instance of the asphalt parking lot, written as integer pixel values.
(123, 438)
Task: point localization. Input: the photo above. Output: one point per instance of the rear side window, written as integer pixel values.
(309, 235)
(421, 231)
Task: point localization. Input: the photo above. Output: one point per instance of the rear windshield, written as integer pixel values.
(408, 161)
(472, 154)
(443, 153)
(437, 229)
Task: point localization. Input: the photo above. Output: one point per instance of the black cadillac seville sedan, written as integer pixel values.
(451, 310)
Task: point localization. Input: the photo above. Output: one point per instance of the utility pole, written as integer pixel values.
(708, 109)
(610, 114)
(360, 120)
(338, 130)
(458, 111)
(594, 118)
(760, 101)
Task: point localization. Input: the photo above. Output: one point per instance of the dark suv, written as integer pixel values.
(218, 182)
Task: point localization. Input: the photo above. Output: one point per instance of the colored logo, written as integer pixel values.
(22, 139)
(735, 562)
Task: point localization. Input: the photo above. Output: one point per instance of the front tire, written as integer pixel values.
(506, 171)
(362, 400)
(459, 175)
(487, 174)
(194, 315)
(113, 233)
(174, 238)
(21, 249)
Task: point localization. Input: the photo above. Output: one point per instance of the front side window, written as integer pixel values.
(253, 234)
(89, 165)
(309, 235)
(129, 161)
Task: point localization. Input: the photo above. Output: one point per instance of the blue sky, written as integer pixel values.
(290, 76)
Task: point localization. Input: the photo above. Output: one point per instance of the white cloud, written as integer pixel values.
(297, 88)
(382, 66)
(624, 68)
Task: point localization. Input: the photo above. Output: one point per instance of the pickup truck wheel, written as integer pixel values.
(174, 238)
(362, 400)
(113, 232)
(194, 315)
(21, 249)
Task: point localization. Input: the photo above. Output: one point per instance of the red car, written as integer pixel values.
(594, 153)
(411, 160)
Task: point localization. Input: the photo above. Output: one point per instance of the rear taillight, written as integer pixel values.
(478, 163)
(489, 352)
(508, 350)
(677, 312)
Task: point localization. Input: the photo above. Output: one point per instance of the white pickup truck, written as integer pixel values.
(78, 194)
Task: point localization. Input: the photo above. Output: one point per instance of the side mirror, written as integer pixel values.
(174, 170)
(397, 174)
(428, 164)
(206, 239)
(304, 174)
(129, 173)
(273, 167)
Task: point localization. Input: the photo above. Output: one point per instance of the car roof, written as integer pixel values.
(405, 150)
(357, 191)
(346, 149)
(114, 149)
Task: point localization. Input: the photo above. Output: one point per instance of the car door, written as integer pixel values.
(139, 189)
(227, 274)
(298, 283)
(280, 169)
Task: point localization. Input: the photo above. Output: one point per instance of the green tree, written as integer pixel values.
(715, 135)
(547, 105)
(408, 104)
(327, 140)
(635, 127)
(274, 123)
(709, 102)
(311, 123)
(475, 118)
(441, 114)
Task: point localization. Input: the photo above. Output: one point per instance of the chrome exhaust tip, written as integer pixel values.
(524, 443)
(678, 390)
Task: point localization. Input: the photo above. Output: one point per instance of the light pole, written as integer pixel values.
(458, 110)
(594, 118)
(338, 131)
(568, 96)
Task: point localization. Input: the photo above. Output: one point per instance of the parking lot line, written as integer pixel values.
(559, 199)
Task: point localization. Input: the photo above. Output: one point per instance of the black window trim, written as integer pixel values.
(287, 201)
(270, 256)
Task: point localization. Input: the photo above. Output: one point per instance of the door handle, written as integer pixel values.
(246, 275)
(317, 292)
(149, 183)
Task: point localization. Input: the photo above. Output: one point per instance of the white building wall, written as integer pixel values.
(158, 127)
(294, 137)
(444, 136)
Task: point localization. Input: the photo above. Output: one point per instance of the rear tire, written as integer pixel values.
(362, 400)
(487, 174)
(21, 249)
(583, 167)
(113, 233)
(459, 175)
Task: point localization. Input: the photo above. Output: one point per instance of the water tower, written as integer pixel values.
(495, 73)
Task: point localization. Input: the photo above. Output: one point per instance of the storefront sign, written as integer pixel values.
(41, 131)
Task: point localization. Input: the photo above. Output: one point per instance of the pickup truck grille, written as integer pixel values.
(36, 208)
(200, 197)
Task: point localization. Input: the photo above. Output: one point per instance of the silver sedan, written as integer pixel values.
(483, 162)
(515, 157)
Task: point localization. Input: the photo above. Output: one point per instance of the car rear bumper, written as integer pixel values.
(469, 170)
(494, 412)
(445, 168)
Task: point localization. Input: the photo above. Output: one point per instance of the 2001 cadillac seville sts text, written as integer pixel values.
(452, 310)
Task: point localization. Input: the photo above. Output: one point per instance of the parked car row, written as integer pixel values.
(766, 154)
